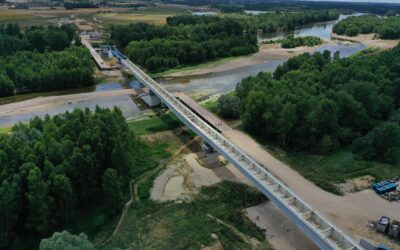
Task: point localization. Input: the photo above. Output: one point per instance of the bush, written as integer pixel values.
(228, 106)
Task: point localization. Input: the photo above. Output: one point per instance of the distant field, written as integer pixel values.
(154, 14)
(126, 18)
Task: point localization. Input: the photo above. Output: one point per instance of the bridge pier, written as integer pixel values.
(212, 156)
(151, 99)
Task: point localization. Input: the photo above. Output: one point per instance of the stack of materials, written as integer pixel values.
(393, 196)
(384, 187)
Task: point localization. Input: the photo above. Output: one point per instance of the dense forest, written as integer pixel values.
(41, 59)
(293, 5)
(53, 168)
(319, 104)
(29, 71)
(186, 39)
(385, 28)
(35, 38)
(191, 39)
(291, 41)
(270, 22)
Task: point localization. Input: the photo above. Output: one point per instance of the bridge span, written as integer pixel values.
(320, 230)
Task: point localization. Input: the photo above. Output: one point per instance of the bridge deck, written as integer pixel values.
(207, 116)
(96, 57)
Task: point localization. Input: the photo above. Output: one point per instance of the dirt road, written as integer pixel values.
(351, 212)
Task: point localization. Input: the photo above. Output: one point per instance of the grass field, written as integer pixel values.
(5, 130)
(187, 225)
(151, 14)
(328, 170)
(155, 124)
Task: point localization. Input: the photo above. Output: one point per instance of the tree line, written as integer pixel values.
(41, 58)
(184, 40)
(35, 38)
(385, 28)
(54, 168)
(29, 71)
(321, 103)
(293, 5)
(271, 22)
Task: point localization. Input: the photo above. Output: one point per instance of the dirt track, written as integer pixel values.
(351, 212)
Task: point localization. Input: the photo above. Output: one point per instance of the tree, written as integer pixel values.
(66, 241)
(112, 190)
(8, 210)
(38, 203)
(63, 194)
(228, 106)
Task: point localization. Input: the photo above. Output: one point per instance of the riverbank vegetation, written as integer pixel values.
(35, 38)
(185, 40)
(293, 6)
(291, 41)
(56, 169)
(320, 104)
(385, 28)
(29, 71)
(42, 59)
(270, 22)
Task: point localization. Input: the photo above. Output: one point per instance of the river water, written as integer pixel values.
(222, 82)
(206, 85)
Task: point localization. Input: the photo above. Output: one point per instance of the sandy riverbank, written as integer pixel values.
(368, 40)
(266, 52)
(276, 52)
(42, 103)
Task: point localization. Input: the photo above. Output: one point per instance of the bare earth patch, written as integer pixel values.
(356, 184)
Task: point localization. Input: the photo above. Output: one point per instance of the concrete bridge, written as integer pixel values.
(320, 230)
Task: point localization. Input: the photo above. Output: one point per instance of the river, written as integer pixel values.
(206, 85)
(222, 82)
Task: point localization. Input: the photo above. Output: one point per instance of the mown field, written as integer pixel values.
(152, 14)
(100, 16)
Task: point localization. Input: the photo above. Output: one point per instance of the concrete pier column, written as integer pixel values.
(212, 156)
